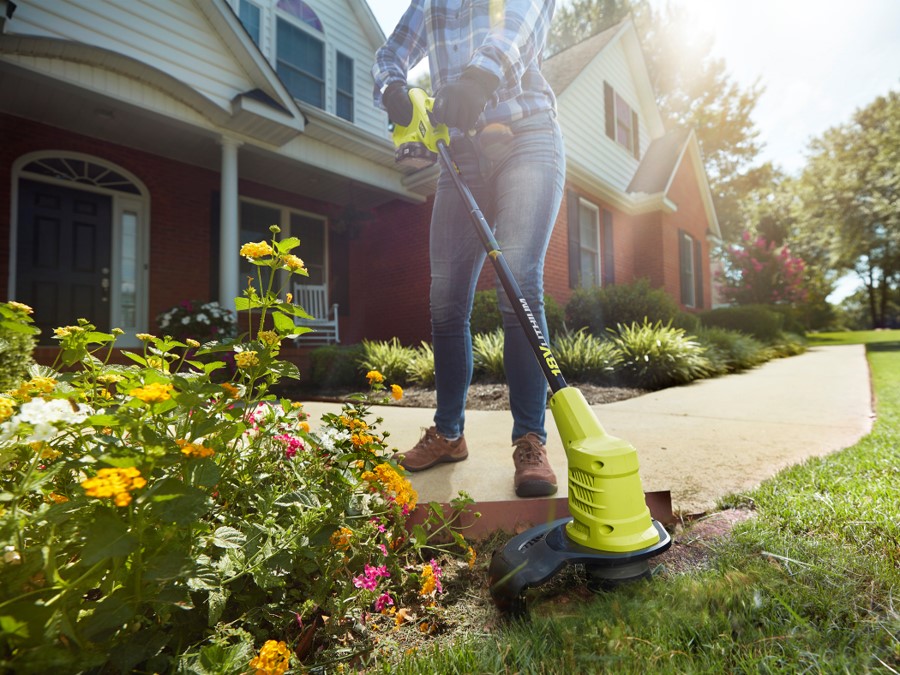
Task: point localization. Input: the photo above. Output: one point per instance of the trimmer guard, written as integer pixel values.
(533, 557)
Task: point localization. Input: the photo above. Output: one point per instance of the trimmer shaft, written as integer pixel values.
(533, 557)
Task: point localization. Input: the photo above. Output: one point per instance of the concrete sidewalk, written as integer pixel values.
(699, 441)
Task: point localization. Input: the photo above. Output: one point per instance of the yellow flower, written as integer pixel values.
(194, 450)
(428, 581)
(57, 498)
(144, 337)
(246, 359)
(340, 539)
(257, 249)
(470, 557)
(273, 659)
(154, 392)
(115, 483)
(21, 306)
(7, 408)
(293, 263)
(393, 484)
(374, 376)
(396, 392)
(289, 298)
(230, 390)
(192, 343)
(109, 378)
(269, 338)
(360, 439)
(304, 426)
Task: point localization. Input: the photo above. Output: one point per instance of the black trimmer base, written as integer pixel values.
(533, 557)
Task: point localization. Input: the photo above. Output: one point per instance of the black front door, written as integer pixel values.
(63, 255)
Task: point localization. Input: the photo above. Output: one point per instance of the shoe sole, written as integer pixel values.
(446, 459)
(536, 488)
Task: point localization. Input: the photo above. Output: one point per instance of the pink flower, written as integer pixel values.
(438, 572)
(384, 600)
(383, 548)
(369, 578)
(292, 445)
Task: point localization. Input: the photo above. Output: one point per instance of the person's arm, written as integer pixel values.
(515, 41)
(405, 47)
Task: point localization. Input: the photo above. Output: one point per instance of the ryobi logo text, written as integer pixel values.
(549, 359)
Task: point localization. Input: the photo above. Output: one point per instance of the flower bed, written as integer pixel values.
(155, 519)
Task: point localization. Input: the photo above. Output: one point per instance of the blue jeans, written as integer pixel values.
(520, 197)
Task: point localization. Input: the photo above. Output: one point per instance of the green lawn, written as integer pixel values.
(811, 584)
(855, 337)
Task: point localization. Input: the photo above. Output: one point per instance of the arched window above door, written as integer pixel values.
(82, 171)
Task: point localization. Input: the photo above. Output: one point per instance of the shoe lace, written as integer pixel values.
(529, 451)
(429, 437)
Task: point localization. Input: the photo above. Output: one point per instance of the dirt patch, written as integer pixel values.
(482, 395)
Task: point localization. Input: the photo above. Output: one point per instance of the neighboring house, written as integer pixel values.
(145, 140)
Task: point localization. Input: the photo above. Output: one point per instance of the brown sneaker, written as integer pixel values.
(433, 449)
(534, 476)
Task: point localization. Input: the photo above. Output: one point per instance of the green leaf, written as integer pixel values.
(419, 535)
(228, 537)
(204, 473)
(174, 502)
(137, 358)
(216, 600)
(287, 244)
(242, 304)
(108, 537)
(103, 421)
(283, 322)
(109, 615)
(17, 327)
(166, 565)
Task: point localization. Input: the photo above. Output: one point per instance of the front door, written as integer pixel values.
(63, 255)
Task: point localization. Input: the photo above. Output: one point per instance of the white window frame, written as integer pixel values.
(598, 254)
(688, 290)
(280, 15)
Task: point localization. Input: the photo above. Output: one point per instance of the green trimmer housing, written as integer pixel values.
(610, 531)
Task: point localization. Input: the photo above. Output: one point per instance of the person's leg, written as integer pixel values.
(529, 187)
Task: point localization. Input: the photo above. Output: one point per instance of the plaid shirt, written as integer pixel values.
(503, 37)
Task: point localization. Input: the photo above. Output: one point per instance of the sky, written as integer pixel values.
(819, 61)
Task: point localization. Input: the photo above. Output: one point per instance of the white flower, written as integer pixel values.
(44, 417)
(202, 318)
(185, 320)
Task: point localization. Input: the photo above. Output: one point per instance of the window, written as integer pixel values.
(249, 15)
(257, 218)
(344, 88)
(302, 11)
(687, 266)
(622, 123)
(301, 63)
(589, 233)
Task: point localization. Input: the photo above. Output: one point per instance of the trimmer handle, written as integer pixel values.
(417, 142)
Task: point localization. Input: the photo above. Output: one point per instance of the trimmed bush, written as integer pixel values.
(336, 366)
(391, 359)
(602, 308)
(587, 358)
(487, 354)
(486, 316)
(758, 321)
(788, 344)
(655, 356)
(17, 343)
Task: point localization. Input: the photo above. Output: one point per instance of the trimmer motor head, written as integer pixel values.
(414, 155)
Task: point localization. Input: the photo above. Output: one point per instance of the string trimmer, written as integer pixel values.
(610, 531)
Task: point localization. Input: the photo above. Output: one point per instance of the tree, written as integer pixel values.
(692, 88)
(757, 272)
(851, 190)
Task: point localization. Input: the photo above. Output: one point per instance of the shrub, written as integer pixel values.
(156, 521)
(487, 355)
(756, 320)
(421, 368)
(586, 358)
(390, 358)
(655, 356)
(17, 341)
(336, 366)
(788, 344)
(732, 351)
(486, 316)
(604, 307)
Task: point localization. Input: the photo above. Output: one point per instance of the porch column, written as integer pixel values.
(229, 246)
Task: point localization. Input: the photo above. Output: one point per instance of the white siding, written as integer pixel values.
(169, 35)
(581, 112)
(342, 33)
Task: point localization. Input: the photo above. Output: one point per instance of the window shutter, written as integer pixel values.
(574, 239)
(609, 105)
(609, 273)
(698, 274)
(636, 133)
(684, 259)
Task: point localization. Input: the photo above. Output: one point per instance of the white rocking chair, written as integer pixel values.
(314, 299)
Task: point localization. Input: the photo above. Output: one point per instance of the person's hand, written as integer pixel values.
(396, 102)
(460, 103)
